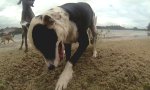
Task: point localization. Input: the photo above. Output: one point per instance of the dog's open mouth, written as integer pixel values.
(61, 51)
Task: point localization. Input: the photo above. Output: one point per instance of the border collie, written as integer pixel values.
(55, 30)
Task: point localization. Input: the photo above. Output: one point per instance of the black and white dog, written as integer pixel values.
(55, 30)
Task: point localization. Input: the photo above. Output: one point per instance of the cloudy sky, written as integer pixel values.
(128, 13)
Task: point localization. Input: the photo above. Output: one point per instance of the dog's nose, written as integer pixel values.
(51, 67)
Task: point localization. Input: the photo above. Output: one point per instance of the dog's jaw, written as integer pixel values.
(65, 77)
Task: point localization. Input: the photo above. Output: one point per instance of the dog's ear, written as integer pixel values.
(48, 20)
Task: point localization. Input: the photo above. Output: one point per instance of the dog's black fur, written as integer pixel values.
(81, 14)
(45, 41)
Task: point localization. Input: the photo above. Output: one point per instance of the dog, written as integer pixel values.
(26, 17)
(8, 37)
(57, 29)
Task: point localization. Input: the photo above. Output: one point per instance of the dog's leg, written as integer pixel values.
(8, 41)
(83, 43)
(22, 41)
(90, 36)
(94, 34)
(1, 42)
(94, 45)
(65, 77)
(68, 51)
(26, 42)
(23, 36)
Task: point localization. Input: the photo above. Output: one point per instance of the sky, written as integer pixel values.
(127, 13)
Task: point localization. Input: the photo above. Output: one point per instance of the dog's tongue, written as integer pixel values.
(61, 51)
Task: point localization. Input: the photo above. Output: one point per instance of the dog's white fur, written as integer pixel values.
(65, 77)
(94, 38)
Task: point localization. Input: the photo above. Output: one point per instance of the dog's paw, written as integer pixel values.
(65, 77)
(94, 54)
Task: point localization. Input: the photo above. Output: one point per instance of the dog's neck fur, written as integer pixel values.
(63, 26)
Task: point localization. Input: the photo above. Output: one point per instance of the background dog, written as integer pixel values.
(60, 27)
(7, 37)
(27, 15)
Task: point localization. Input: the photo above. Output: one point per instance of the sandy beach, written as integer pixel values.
(122, 64)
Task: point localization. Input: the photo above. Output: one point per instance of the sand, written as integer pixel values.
(120, 65)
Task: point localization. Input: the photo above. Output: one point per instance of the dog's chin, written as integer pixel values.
(51, 67)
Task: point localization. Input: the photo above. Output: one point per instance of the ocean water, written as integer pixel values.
(122, 34)
(113, 34)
